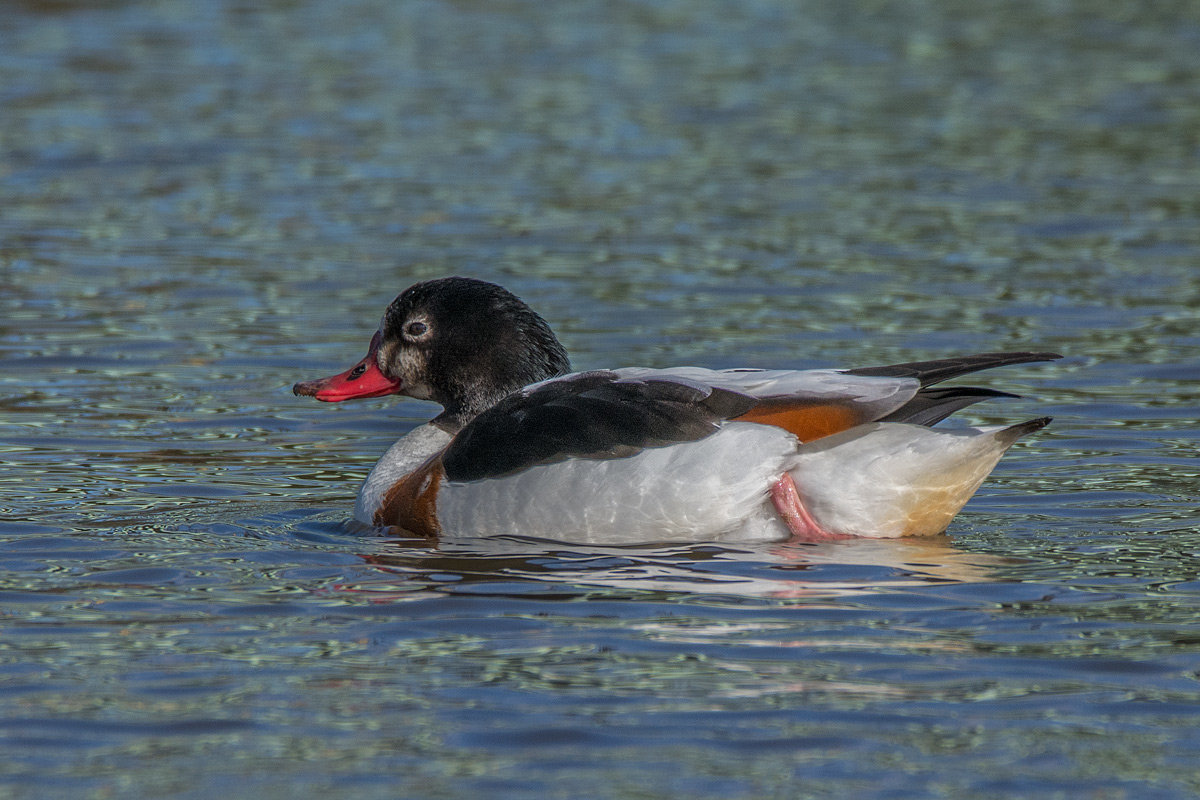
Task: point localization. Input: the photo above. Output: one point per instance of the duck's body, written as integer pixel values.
(645, 455)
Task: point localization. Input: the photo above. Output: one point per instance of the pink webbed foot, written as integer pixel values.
(791, 510)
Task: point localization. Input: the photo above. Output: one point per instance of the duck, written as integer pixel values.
(526, 447)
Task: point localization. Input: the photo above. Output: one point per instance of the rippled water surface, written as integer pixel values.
(203, 202)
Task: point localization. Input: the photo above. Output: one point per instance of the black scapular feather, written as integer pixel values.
(591, 415)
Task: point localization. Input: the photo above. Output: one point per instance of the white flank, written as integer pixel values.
(714, 489)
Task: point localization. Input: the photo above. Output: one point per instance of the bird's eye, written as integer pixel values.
(416, 329)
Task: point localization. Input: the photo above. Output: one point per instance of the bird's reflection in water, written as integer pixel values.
(408, 568)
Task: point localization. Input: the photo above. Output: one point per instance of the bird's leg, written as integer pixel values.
(791, 510)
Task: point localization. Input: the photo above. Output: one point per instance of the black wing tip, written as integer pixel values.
(932, 405)
(1033, 355)
(1004, 358)
(938, 370)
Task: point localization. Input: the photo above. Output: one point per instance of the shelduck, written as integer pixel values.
(526, 447)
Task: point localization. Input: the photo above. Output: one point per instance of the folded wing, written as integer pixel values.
(617, 413)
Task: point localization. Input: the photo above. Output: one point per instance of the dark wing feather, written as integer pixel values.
(931, 372)
(590, 415)
(931, 406)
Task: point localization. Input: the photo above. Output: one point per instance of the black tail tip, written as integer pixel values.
(1034, 425)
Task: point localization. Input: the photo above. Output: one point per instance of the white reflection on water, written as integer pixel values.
(779, 571)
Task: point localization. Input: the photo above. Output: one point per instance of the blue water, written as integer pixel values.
(201, 203)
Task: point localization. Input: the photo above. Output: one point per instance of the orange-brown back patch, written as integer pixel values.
(806, 420)
(411, 503)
